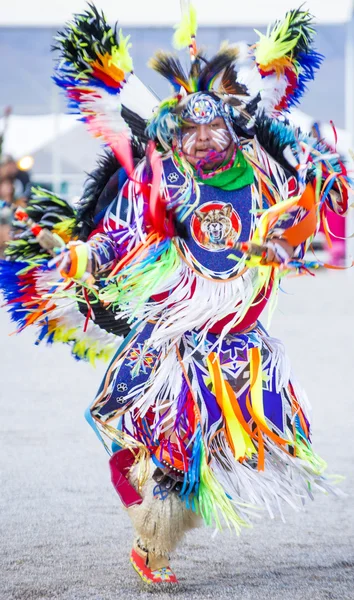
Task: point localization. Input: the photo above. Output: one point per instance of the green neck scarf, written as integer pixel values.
(236, 177)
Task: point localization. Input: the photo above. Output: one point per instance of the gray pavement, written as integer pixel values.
(63, 533)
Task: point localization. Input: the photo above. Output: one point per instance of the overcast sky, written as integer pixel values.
(166, 12)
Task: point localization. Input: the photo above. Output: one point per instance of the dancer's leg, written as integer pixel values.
(160, 523)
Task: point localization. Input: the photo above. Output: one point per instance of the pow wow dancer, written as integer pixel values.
(202, 203)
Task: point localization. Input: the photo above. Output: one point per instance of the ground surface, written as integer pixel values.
(62, 531)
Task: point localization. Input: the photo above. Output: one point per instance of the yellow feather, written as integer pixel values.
(120, 56)
(186, 29)
(274, 46)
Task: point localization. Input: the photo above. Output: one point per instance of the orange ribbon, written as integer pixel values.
(299, 233)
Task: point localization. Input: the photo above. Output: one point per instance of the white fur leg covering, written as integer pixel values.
(160, 524)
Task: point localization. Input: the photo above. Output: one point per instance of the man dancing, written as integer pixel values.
(198, 212)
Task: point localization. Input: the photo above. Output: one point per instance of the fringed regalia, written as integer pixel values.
(196, 388)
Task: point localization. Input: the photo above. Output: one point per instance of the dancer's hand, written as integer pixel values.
(75, 262)
(278, 251)
(274, 251)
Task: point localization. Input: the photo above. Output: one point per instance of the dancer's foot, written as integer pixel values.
(151, 568)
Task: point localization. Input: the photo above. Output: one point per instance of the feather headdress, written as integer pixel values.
(202, 77)
(96, 71)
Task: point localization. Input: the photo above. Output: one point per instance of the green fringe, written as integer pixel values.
(139, 281)
(213, 502)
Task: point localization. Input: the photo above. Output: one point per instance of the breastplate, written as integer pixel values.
(220, 219)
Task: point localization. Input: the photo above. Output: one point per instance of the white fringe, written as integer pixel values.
(69, 317)
(194, 303)
(286, 479)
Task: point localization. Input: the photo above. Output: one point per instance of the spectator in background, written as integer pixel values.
(20, 179)
(15, 190)
(6, 211)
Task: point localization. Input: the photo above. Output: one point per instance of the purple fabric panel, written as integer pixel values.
(214, 410)
(273, 408)
(104, 250)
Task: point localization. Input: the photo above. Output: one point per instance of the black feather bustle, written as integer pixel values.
(273, 142)
(87, 36)
(241, 130)
(252, 106)
(97, 184)
(107, 165)
(105, 317)
(47, 210)
(242, 121)
(136, 124)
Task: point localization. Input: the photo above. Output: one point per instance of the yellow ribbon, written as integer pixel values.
(82, 260)
(256, 384)
(239, 440)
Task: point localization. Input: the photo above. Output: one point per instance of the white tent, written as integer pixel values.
(166, 12)
(26, 134)
(62, 149)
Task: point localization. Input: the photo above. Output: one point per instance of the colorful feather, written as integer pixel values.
(186, 31)
(164, 123)
(286, 53)
(230, 85)
(93, 67)
(170, 67)
(285, 39)
(223, 60)
(48, 211)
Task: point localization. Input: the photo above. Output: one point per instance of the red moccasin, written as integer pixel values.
(163, 575)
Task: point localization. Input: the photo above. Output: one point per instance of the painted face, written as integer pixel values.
(208, 144)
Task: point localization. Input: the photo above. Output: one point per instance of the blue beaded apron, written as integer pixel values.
(220, 219)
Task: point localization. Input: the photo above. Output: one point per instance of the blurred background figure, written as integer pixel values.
(15, 186)
(332, 250)
(6, 211)
(21, 182)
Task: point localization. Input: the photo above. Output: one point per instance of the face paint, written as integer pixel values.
(206, 145)
(221, 138)
(189, 140)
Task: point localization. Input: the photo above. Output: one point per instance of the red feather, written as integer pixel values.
(157, 208)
